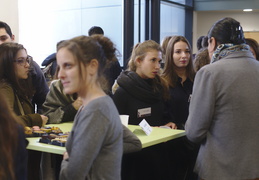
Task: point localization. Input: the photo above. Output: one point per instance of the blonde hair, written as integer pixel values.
(139, 52)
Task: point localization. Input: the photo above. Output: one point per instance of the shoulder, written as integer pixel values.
(102, 108)
(100, 103)
(56, 84)
(120, 93)
(6, 87)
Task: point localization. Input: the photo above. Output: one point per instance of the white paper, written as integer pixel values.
(145, 127)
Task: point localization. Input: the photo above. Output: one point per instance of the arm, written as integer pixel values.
(40, 85)
(29, 119)
(201, 106)
(168, 116)
(58, 106)
(131, 142)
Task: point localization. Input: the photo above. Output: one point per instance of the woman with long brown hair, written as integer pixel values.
(13, 159)
(179, 73)
(16, 86)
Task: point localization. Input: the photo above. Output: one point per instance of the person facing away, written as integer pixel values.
(223, 115)
(37, 78)
(201, 59)
(13, 161)
(199, 42)
(254, 47)
(94, 146)
(142, 92)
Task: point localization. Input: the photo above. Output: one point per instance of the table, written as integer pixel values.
(157, 136)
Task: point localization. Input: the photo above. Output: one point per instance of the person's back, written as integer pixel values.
(237, 104)
(226, 120)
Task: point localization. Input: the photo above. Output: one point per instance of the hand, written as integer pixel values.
(171, 125)
(77, 103)
(44, 120)
(65, 156)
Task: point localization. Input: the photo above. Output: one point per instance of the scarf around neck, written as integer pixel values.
(224, 50)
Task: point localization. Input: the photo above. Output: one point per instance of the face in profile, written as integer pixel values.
(149, 67)
(181, 54)
(22, 64)
(68, 71)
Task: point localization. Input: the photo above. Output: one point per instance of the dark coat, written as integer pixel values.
(134, 94)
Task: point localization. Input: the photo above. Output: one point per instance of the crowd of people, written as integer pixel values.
(212, 95)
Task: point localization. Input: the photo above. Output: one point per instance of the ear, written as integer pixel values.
(212, 45)
(138, 62)
(92, 67)
(13, 38)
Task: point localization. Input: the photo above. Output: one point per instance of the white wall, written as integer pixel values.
(43, 23)
(9, 14)
(203, 20)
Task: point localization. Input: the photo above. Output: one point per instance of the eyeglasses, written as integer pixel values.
(22, 62)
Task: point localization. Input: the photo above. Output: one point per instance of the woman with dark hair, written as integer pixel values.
(223, 114)
(14, 69)
(254, 47)
(13, 161)
(15, 86)
(179, 73)
(94, 146)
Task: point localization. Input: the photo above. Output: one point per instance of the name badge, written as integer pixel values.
(144, 112)
(145, 127)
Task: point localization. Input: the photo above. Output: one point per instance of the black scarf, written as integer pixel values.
(142, 89)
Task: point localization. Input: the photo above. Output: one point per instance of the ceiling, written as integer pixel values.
(225, 5)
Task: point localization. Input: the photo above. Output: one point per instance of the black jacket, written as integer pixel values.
(134, 94)
(179, 102)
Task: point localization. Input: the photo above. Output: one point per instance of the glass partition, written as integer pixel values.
(172, 20)
(43, 23)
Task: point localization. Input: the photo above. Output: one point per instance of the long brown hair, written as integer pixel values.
(8, 140)
(169, 72)
(139, 52)
(8, 53)
(86, 48)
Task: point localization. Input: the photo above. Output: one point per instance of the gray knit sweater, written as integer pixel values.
(95, 143)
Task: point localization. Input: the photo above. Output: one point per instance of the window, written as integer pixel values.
(43, 23)
(172, 20)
